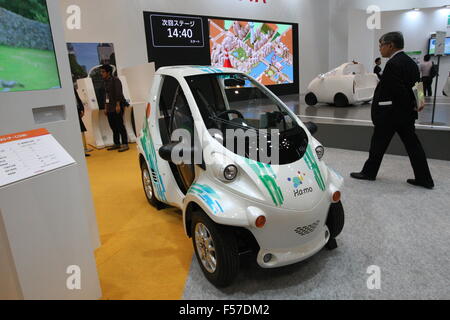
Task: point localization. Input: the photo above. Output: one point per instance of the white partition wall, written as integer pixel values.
(140, 81)
(47, 222)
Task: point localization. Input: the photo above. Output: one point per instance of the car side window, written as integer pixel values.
(181, 117)
(174, 108)
(166, 97)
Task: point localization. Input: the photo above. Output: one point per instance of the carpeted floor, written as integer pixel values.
(402, 229)
(145, 253)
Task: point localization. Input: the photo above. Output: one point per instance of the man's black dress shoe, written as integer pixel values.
(427, 185)
(361, 176)
(114, 147)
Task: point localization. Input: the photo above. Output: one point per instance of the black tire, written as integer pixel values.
(311, 99)
(335, 220)
(150, 193)
(340, 100)
(226, 250)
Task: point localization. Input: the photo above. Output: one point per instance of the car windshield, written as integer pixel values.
(234, 102)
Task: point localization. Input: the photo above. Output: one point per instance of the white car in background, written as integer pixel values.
(349, 83)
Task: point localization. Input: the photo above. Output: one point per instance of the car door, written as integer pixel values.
(176, 114)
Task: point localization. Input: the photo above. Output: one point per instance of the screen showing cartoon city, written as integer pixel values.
(262, 50)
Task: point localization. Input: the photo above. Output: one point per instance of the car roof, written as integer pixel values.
(184, 71)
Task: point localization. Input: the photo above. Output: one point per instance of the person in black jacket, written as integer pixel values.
(394, 110)
(113, 108)
(80, 109)
(377, 70)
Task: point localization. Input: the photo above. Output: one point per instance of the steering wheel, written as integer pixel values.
(226, 112)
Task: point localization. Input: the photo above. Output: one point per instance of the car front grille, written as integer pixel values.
(303, 231)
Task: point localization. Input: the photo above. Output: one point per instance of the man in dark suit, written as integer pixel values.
(394, 109)
(377, 70)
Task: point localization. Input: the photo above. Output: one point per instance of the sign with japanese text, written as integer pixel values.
(27, 154)
(176, 31)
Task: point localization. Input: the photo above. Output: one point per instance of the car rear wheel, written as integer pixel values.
(340, 100)
(311, 99)
(148, 187)
(216, 249)
(335, 220)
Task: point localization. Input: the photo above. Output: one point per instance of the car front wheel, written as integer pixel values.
(216, 249)
(311, 99)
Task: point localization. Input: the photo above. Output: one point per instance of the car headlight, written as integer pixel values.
(230, 172)
(320, 151)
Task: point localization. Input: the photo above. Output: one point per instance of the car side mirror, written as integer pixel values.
(182, 152)
(312, 127)
(165, 152)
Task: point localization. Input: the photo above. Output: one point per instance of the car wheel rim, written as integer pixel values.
(147, 183)
(205, 247)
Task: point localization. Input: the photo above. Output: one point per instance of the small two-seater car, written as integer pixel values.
(347, 84)
(233, 199)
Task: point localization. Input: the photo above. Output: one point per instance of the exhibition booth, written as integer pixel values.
(140, 225)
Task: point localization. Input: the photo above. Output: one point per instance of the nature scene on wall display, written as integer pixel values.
(84, 56)
(263, 50)
(27, 55)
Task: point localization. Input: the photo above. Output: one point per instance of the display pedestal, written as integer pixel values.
(46, 233)
(140, 81)
(45, 239)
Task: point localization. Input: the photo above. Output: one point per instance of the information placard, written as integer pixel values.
(27, 154)
(440, 43)
(176, 31)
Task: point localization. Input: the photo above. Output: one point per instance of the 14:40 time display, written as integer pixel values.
(184, 33)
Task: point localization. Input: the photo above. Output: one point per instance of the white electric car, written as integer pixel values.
(347, 84)
(236, 201)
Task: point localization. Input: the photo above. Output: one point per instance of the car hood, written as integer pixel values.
(297, 186)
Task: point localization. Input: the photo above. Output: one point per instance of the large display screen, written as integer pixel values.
(27, 55)
(176, 31)
(432, 46)
(260, 49)
(266, 50)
